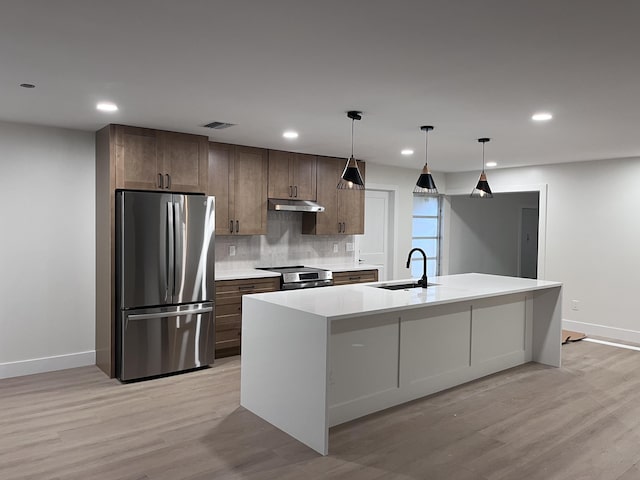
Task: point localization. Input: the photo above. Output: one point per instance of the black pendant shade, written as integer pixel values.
(482, 189)
(425, 185)
(425, 181)
(351, 178)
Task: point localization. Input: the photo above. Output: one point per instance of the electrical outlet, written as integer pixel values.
(232, 250)
(575, 305)
(349, 247)
(335, 248)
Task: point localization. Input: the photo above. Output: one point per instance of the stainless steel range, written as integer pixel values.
(292, 278)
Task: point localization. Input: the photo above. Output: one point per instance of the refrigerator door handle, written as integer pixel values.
(178, 249)
(170, 248)
(147, 316)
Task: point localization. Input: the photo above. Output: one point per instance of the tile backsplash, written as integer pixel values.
(283, 245)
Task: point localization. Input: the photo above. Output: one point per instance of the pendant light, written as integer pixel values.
(351, 178)
(425, 184)
(482, 189)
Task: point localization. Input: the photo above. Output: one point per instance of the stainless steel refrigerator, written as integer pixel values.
(165, 283)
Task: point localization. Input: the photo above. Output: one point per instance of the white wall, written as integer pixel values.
(405, 180)
(47, 253)
(592, 238)
(484, 235)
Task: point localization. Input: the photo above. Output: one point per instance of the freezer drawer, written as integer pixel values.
(161, 340)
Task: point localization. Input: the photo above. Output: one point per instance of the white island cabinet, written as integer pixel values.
(315, 358)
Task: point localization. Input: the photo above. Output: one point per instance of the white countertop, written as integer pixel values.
(243, 273)
(347, 301)
(254, 273)
(344, 267)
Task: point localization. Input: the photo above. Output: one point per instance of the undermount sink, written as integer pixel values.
(402, 286)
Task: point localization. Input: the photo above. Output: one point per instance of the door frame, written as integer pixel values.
(392, 234)
(541, 188)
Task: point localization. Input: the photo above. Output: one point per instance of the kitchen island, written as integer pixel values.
(316, 358)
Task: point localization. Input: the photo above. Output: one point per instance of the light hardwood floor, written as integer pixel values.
(581, 421)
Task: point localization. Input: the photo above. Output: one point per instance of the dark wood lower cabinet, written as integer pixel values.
(229, 295)
(355, 276)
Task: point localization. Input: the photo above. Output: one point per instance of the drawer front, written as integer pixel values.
(228, 309)
(228, 338)
(229, 321)
(240, 287)
(356, 276)
(231, 291)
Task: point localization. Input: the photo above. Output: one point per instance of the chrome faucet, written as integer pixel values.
(423, 281)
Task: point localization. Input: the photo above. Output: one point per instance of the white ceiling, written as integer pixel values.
(471, 68)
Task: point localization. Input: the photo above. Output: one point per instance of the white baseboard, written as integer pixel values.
(47, 364)
(614, 333)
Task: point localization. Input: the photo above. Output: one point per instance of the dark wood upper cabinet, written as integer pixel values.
(137, 165)
(344, 209)
(238, 180)
(292, 175)
(184, 161)
(149, 159)
(220, 165)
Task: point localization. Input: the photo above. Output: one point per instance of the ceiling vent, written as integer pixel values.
(219, 125)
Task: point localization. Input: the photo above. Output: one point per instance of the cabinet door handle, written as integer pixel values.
(247, 287)
(160, 184)
(344, 227)
(290, 191)
(168, 180)
(237, 226)
(339, 227)
(231, 226)
(295, 191)
(354, 278)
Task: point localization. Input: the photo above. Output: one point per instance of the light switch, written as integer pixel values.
(232, 250)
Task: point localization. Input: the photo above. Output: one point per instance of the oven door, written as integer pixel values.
(307, 284)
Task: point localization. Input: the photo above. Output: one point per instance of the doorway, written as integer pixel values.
(490, 236)
(375, 247)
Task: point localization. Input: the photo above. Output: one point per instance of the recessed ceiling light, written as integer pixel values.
(407, 151)
(290, 134)
(107, 107)
(541, 116)
(27, 85)
(492, 164)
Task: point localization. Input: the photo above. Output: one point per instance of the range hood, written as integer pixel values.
(294, 205)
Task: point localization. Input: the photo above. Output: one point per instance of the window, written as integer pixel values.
(426, 234)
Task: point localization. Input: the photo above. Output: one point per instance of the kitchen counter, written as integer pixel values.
(245, 273)
(344, 267)
(316, 358)
(347, 301)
